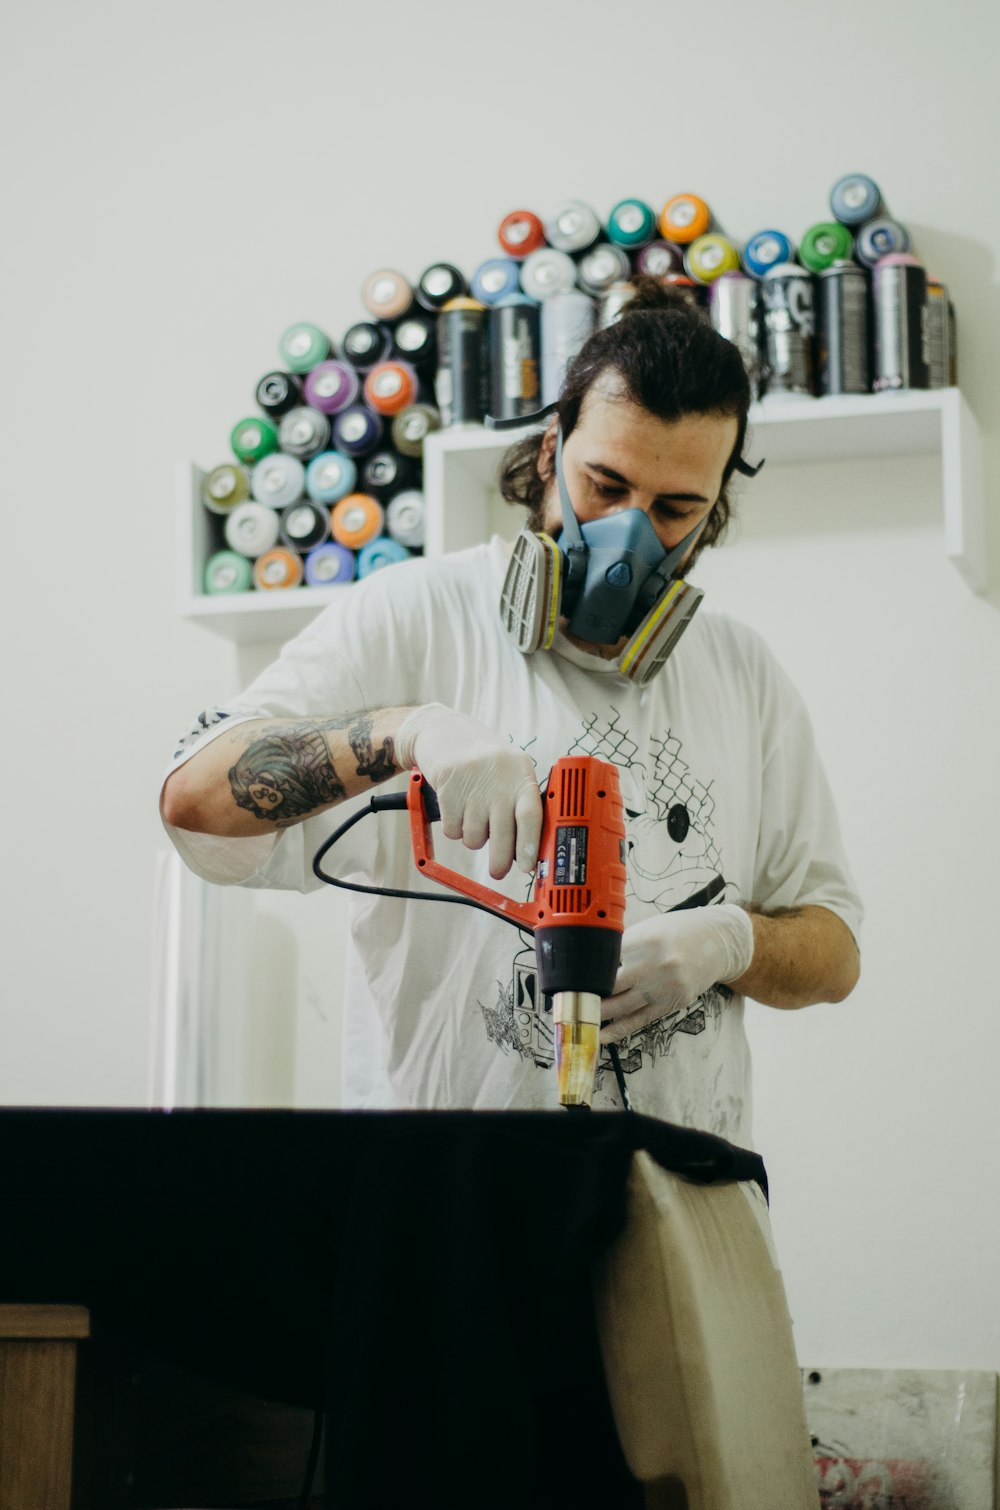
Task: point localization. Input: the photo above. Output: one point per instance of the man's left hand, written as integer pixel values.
(667, 962)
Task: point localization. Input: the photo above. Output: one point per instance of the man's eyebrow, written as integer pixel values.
(596, 466)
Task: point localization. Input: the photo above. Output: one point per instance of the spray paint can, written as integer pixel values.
(568, 319)
(405, 517)
(365, 344)
(226, 572)
(225, 487)
(659, 258)
(251, 529)
(515, 357)
(520, 233)
(390, 387)
(495, 279)
(824, 244)
(329, 564)
(684, 218)
(461, 385)
(278, 480)
(252, 439)
(734, 309)
(277, 392)
(855, 198)
(880, 238)
(632, 224)
(387, 295)
(387, 472)
(304, 432)
(357, 519)
(303, 526)
(939, 335)
(604, 265)
(414, 340)
(899, 300)
(573, 228)
(438, 285)
(843, 336)
(789, 328)
(380, 553)
(331, 386)
(766, 249)
(411, 428)
(303, 345)
(357, 430)
(709, 257)
(330, 476)
(547, 272)
(277, 569)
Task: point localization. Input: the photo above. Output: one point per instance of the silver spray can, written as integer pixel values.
(734, 309)
(899, 300)
(567, 320)
(843, 338)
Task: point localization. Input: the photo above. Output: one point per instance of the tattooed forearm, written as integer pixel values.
(289, 773)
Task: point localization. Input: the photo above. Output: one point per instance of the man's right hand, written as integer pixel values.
(486, 788)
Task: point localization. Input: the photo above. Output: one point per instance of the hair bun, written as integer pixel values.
(650, 292)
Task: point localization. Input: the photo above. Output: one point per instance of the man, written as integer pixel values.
(737, 881)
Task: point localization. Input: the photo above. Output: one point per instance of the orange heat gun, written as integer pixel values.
(577, 914)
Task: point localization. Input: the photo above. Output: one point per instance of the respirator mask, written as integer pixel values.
(610, 578)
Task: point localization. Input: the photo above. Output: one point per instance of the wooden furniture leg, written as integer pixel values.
(37, 1382)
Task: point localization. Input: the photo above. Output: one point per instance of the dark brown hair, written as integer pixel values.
(671, 362)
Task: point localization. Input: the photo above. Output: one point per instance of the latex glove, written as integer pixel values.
(668, 961)
(486, 788)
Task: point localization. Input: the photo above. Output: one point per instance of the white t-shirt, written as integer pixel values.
(720, 779)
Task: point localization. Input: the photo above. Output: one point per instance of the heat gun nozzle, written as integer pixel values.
(577, 1019)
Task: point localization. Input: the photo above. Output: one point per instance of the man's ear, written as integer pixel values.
(547, 451)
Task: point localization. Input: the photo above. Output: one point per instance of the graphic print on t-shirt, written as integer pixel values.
(671, 857)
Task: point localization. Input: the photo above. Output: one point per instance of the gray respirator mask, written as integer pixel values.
(610, 578)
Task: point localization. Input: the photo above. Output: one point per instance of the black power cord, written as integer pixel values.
(395, 802)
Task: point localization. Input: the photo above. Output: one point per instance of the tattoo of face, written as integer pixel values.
(287, 775)
(282, 777)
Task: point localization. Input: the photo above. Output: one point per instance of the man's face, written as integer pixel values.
(620, 456)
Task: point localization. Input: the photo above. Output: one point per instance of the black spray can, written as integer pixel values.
(843, 345)
(462, 382)
(899, 301)
(789, 329)
(515, 357)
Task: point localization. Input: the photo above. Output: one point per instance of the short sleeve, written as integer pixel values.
(800, 858)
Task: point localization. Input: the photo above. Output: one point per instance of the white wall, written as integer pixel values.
(187, 181)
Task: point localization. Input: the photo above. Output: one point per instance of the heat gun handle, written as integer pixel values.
(422, 805)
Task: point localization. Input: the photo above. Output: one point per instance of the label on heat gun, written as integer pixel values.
(571, 857)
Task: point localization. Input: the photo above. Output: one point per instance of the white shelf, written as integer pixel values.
(460, 466)
(464, 507)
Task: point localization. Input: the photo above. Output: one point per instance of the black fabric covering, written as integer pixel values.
(424, 1277)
